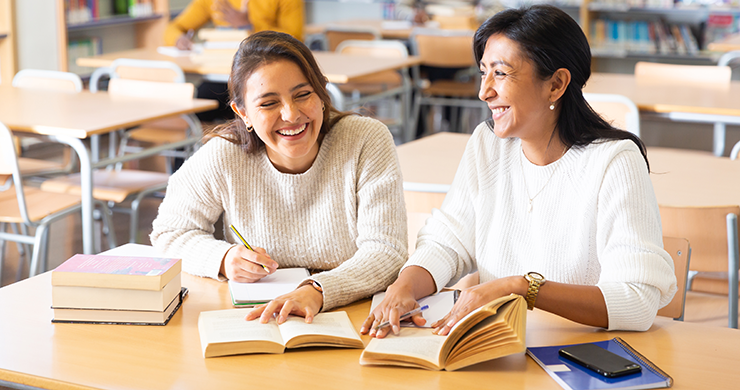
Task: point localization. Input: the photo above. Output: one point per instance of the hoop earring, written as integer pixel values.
(552, 106)
(250, 129)
(323, 107)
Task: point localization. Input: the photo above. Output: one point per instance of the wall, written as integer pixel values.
(328, 11)
(36, 33)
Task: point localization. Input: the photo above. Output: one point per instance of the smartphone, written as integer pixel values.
(600, 360)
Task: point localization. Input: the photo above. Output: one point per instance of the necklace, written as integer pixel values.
(524, 177)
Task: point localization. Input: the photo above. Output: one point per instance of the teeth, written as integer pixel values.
(293, 132)
(498, 110)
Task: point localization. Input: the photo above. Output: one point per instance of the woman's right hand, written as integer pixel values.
(245, 266)
(398, 300)
(185, 42)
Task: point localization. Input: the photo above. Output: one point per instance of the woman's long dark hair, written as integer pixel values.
(260, 49)
(552, 40)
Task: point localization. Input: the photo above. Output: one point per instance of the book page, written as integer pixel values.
(332, 325)
(283, 281)
(439, 305)
(412, 344)
(226, 326)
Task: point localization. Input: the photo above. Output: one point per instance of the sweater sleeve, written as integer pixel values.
(446, 244)
(637, 276)
(278, 15)
(193, 17)
(184, 226)
(382, 238)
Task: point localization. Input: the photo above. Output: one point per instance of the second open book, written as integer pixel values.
(226, 332)
(494, 330)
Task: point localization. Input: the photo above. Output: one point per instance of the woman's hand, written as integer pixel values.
(475, 297)
(398, 300)
(245, 266)
(185, 41)
(234, 17)
(304, 301)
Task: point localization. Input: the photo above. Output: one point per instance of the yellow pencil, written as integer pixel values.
(246, 244)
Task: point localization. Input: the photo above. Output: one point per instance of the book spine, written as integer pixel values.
(643, 360)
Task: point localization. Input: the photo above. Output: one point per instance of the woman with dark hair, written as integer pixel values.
(549, 202)
(307, 185)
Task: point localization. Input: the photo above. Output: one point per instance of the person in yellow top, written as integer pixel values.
(256, 15)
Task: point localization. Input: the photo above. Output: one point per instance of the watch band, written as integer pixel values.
(316, 285)
(535, 280)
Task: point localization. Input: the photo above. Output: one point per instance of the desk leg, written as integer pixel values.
(86, 188)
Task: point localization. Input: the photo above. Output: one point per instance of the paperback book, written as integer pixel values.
(106, 271)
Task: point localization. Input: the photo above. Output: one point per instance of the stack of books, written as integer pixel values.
(109, 289)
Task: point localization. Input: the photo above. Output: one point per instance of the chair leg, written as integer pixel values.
(719, 139)
(41, 232)
(732, 274)
(108, 229)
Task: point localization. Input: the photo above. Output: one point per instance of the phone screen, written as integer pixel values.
(600, 360)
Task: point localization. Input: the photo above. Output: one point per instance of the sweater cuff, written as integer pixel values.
(427, 257)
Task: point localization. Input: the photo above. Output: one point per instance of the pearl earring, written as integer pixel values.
(552, 106)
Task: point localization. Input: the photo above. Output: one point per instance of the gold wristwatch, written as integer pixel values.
(535, 280)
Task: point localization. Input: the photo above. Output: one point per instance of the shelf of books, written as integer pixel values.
(657, 29)
(92, 27)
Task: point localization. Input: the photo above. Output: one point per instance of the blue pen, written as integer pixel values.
(247, 245)
(404, 317)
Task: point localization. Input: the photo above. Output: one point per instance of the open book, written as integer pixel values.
(226, 332)
(494, 330)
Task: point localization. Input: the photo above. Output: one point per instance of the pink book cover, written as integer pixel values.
(117, 265)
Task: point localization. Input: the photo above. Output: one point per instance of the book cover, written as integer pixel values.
(139, 273)
(572, 376)
(226, 332)
(282, 281)
(75, 297)
(120, 317)
(494, 330)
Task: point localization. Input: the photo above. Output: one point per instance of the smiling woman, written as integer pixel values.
(550, 201)
(306, 185)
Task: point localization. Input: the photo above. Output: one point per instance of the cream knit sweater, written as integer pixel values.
(345, 216)
(595, 223)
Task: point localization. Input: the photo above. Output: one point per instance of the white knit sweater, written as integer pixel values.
(595, 223)
(345, 215)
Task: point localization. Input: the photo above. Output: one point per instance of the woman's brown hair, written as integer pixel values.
(260, 49)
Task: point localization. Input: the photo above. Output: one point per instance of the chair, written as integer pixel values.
(50, 80)
(30, 208)
(680, 252)
(336, 34)
(166, 130)
(117, 185)
(445, 49)
(714, 256)
(705, 76)
(388, 84)
(619, 110)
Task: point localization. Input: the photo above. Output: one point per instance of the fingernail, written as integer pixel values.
(396, 330)
(362, 329)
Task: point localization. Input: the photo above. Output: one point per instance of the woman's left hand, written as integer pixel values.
(304, 301)
(473, 298)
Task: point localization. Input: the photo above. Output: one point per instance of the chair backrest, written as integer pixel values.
(9, 168)
(376, 48)
(150, 89)
(728, 58)
(443, 48)
(619, 110)
(705, 228)
(650, 73)
(456, 22)
(133, 69)
(680, 252)
(335, 34)
(47, 79)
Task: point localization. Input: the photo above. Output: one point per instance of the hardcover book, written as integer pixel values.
(106, 271)
(75, 297)
(226, 332)
(494, 330)
(572, 376)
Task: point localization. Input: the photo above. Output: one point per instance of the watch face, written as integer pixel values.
(535, 276)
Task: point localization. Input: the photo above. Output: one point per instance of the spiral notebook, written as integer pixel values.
(572, 376)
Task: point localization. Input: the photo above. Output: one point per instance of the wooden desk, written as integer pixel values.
(36, 352)
(337, 68)
(680, 177)
(730, 43)
(70, 117)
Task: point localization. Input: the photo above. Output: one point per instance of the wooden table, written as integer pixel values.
(730, 43)
(36, 352)
(338, 68)
(680, 177)
(69, 118)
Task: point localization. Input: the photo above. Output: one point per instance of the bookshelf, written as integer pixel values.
(7, 42)
(682, 30)
(102, 28)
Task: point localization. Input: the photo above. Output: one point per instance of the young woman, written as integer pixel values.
(308, 186)
(549, 202)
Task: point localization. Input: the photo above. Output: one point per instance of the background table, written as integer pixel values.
(69, 118)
